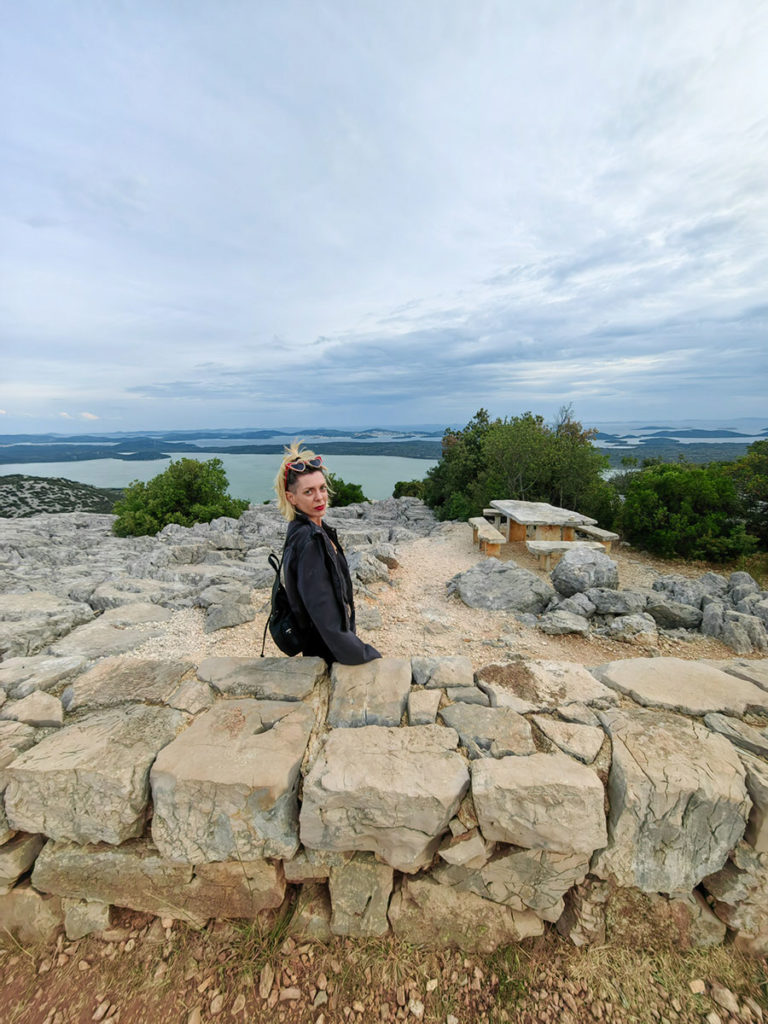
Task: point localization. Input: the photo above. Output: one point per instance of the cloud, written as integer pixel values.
(3, 412)
(89, 416)
(65, 416)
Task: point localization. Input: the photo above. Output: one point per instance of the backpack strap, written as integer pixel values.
(277, 566)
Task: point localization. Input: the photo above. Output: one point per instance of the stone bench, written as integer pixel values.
(544, 549)
(489, 538)
(605, 537)
(494, 517)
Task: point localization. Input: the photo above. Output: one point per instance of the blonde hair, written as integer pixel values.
(294, 453)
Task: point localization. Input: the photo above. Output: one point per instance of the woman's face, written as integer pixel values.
(309, 494)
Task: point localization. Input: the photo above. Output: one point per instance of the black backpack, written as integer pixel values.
(281, 623)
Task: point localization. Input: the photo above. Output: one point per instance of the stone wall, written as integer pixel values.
(406, 795)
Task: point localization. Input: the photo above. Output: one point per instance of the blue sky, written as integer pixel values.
(381, 212)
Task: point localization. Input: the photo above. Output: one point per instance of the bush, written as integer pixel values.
(750, 477)
(688, 511)
(408, 489)
(344, 493)
(187, 492)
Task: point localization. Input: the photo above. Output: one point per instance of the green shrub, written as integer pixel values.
(677, 509)
(344, 493)
(750, 477)
(408, 489)
(187, 492)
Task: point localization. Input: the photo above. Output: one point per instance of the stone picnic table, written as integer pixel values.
(548, 521)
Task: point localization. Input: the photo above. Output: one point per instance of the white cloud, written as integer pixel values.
(88, 416)
(3, 412)
(65, 416)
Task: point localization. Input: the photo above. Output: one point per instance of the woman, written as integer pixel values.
(315, 571)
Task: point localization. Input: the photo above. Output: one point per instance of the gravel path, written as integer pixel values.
(418, 617)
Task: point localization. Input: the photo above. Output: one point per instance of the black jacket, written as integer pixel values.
(319, 588)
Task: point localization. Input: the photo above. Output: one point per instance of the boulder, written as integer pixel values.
(223, 616)
(436, 672)
(614, 602)
(41, 710)
(15, 737)
(365, 567)
(582, 569)
(313, 865)
(374, 693)
(542, 685)
(499, 585)
(16, 857)
(263, 678)
(576, 604)
(115, 632)
(688, 686)
(740, 891)
(467, 695)
(83, 917)
(227, 787)
(685, 591)
(754, 671)
(580, 741)
(757, 787)
(89, 782)
(360, 892)
(21, 676)
(114, 681)
(559, 622)
(422, 706)
(29, 916)
(428, 914)
(678, 801)
(489, 732)
(673, 614)
(468, 849)
(522, 879)
(544, 801)
(390, 791)
(134, 875)
(631, 627)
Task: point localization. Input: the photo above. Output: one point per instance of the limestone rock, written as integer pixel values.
(578, 712)
(422, 706)
(83, 917)
(683, 590)
(390, 791)
(134, 875)
(467, 695)
(581, 569)
(374, 693)
(366, 567)
(545, 801)
(89, 781)
(522, 879)
(757, 787)
(542, 686)
(192, 696)
(467, 849)
(311, 918)
(263, 678)
(577, 604)
(754, 671)
(493, 732)
(227, 786)
(21, 676)
(583, 920)
(739, 733)
(629, 627)
(580, 741)
(115, 632)
(559, 622)
(115, 681)
(501, 585)
(680, 685)
(28, 622)
(360, 892)
(435, 672)
(678, 801)
(607, 601)
(673, 614)
(39, 709)
(222, 616)
(313, 865)
(16, 857)
(740, 891)
(15, 737)
(428, 914)
(29, 916)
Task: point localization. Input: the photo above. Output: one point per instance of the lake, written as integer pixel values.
(250, 476)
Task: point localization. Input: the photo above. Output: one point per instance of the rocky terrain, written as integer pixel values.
(477, 787)
(22, 495)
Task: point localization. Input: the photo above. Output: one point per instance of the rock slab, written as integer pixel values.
(375, 693)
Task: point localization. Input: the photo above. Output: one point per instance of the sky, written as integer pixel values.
(378, 212)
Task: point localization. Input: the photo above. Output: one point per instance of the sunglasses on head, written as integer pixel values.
(303, 465)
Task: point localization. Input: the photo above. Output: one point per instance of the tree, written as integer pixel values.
(686, 510)
(187, 492)
(750, 478)
(344, 493)
(459, 467)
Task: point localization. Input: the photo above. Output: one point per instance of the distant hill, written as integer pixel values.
(23, 496)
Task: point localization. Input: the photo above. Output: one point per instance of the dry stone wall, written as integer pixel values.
(448, 806)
